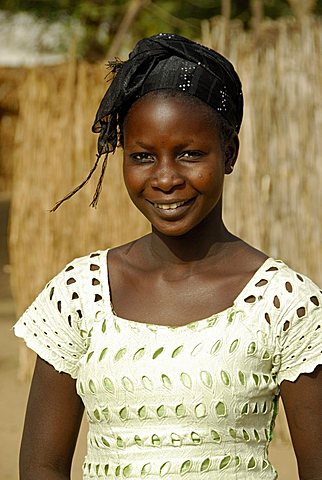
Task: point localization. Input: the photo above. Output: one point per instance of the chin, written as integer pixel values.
(173, 231)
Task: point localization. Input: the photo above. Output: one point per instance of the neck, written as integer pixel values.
(209, 238)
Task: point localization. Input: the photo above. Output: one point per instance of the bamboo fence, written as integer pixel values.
(273, 198)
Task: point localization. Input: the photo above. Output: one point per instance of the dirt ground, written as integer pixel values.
(14, 394)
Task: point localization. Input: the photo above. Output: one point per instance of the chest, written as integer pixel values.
(174, 299)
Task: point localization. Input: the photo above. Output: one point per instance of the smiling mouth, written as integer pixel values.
(173, 205)
(168, 206)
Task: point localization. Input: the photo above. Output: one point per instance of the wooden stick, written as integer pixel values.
(226, 9)
(131, 13)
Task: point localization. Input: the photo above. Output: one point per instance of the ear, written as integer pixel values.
(231, 153)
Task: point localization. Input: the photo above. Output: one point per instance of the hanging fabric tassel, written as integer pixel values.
(72, 193)
(99, 184)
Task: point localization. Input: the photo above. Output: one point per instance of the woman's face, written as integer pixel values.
(174, 163)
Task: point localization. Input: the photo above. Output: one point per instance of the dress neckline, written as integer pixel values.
(106, 293)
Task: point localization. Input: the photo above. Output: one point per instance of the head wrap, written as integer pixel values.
(164, 61)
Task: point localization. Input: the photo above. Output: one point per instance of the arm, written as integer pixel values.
(53, 417)
(303, 406)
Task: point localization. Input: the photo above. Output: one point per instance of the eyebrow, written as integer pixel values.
(187, 144)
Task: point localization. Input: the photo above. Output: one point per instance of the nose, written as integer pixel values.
(166, 176)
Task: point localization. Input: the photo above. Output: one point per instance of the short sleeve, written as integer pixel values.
(299, 333)
(53, 325)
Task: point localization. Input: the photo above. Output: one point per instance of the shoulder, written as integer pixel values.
(81, 267)
(280, 294)
(84, 264)
(73, 285)
(57, 324)
(295, 303)
(244, 258)
(291, 285)
(291, 299)
(130, 256)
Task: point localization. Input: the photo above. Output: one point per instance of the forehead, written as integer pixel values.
(160, 102)
(166, 118)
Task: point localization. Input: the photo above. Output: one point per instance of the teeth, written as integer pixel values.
(168, 206)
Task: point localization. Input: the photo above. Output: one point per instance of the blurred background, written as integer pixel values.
(52, 77)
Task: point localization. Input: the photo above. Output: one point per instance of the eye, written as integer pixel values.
(142, 157)
(191, 155)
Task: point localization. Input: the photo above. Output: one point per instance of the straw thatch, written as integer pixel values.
(273, 199)
(10, 81)
(55, 150)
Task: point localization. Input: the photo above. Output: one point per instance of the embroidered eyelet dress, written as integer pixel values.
(192, 402)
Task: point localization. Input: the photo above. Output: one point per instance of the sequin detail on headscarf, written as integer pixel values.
(164, 61)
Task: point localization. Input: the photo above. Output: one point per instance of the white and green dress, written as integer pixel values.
(193, 402)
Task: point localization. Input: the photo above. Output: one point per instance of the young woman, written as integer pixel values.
(179, 343)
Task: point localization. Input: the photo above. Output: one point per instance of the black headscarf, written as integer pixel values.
(164, 61)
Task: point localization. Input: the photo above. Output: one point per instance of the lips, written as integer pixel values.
(168, 206)
(172, 206)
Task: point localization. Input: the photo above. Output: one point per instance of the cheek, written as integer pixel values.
(133, 180)
(208, 179)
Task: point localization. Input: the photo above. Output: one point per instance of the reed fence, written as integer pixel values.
(10, 81)
(274, 197)
(55, 151)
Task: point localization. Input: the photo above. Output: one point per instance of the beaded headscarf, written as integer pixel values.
(163, 61)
